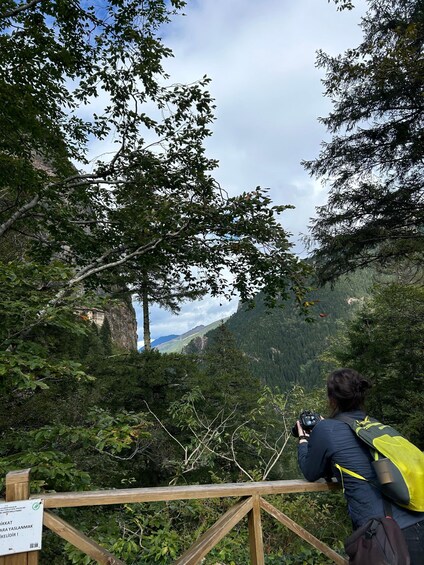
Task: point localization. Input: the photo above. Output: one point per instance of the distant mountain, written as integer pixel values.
(160, 340)
(178, 343)
(282, 347)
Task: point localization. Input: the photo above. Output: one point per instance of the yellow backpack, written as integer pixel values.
(399, 465)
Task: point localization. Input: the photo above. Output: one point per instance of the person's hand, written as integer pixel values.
(301, 432)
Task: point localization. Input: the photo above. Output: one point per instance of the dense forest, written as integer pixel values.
(283, 348)
(148, 219)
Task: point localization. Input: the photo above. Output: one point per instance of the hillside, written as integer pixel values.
(177, 344)
(161, 340)
(282, 346)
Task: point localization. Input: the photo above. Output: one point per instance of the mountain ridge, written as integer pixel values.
(177, 344)
(282, 347)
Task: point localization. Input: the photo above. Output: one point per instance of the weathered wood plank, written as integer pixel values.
(255, 533)
(304, 534)
(215, 534)
(156, 494)
(17, 488)
(79, 540)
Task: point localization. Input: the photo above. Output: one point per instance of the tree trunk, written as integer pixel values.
(146, 319)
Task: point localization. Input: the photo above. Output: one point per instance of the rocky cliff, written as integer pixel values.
(123, 325)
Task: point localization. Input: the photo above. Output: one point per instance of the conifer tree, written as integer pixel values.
(374, 160)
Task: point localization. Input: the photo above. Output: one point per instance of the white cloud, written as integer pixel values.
(261, 59)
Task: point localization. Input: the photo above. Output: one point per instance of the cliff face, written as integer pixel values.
(120, 316)
(123, 325)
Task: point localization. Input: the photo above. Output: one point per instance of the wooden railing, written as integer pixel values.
(250, 502)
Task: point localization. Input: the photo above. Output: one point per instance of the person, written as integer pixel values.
(333, 442)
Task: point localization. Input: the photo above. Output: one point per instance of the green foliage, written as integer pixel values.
(30, 321)
(137, 419)
(230, 425)
(106, 337)
(151, 218)
(384, 342)
(49, 468)
(323, 515)
(232, 441)
(374, 160)
(281, 347)
(227, 377)
(56, 452)
(160, 532)
(71, 443)
(343, 4)
(45, 44)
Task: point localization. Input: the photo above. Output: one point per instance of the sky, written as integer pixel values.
(261, 58)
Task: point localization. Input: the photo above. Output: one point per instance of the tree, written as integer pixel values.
(153, 206)
(227, 378)
(168, 290)
(384, 342)
(374, 161)
(172, 193)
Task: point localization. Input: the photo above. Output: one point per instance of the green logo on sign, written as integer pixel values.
(36, 505)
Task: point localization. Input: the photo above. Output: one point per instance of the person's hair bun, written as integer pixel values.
(364, 385)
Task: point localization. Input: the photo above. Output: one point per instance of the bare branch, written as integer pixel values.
(165, 428)
(114, 456)
(19, 9)
(19, 213)
(94, 270)
(234, 453)
(274, 459)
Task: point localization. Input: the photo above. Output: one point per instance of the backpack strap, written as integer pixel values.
(351, 473)
(386, 503)
(348, 472)
(388, 509)
(350, 421)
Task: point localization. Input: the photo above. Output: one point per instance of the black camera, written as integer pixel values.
(308, 421)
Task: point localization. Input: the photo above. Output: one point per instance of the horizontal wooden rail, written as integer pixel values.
(158, 494)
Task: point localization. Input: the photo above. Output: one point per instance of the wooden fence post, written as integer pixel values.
(255, 533)
(17, 488)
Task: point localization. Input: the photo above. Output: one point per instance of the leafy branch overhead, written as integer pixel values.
(80, 73)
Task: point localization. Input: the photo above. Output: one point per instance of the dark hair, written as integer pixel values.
(346, 390)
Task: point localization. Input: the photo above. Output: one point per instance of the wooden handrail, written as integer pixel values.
(185, 492)
(250, 503)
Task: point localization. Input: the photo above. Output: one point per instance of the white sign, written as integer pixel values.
(21, 526)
